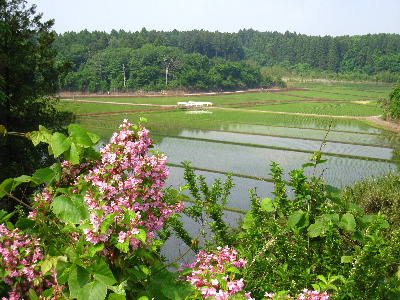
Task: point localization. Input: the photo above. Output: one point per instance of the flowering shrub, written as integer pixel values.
(214, 274)
(96, 213)
(306, 295)
(20, 258)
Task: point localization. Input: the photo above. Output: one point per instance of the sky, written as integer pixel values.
(310, 17)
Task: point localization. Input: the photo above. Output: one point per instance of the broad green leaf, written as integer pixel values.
(93, 249)
(94, 137)
(233, 270)
(94, 290)
(108, 220)
(348, 222)
(80, 136)
(119, 289)
(32, 295)
(315, 229)
(59, 144)
(297, 219)
(124, 247)
(177, 291)
(25, 223)
(346, 259)
(307, 165)
(63, 271)
(3, 129)
(384, 224)
(114, 296)
(69, 209)
(142, 235)
(43, 135)
(143, 298)
(267, 204)
(356, 209)
(248, 221)
(103, 273)
(23, 178)
(334, 191)
(78, 278)
(7, 186)
(72, 155)
(43, 175)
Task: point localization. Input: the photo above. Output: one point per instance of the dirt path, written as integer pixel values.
(377, 120)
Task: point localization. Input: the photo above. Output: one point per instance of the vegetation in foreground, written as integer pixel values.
(96, 228)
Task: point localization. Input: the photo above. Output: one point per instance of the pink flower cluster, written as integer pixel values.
(212, 275)
(128, 179)
(306, 295)
(20, 257)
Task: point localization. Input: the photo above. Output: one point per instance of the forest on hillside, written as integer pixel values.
(203, 60)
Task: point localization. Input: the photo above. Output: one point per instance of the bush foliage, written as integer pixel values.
(100, 219)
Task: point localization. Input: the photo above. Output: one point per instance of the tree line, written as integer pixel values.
(204, 60)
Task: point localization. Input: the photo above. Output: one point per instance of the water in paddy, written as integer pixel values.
(248, 149)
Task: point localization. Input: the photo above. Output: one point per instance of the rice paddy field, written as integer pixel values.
(244, 132)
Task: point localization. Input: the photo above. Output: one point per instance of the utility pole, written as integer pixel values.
(123, 71)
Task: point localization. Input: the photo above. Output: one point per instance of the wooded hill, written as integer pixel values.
(203, 60)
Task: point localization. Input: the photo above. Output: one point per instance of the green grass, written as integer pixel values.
(324, 108)
(329, 96)
(88, 108)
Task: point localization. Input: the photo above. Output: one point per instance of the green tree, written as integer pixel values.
(29, 80)
(392, 106)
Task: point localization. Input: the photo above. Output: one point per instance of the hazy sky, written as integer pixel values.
(311, 17)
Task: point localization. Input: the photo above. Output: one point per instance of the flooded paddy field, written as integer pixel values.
(244, 140)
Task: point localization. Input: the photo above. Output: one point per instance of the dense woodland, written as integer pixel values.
(203, 60)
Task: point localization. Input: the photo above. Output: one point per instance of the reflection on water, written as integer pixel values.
(255, 161)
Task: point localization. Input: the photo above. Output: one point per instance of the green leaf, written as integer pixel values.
(103, 273)
(93, 249)
(108, 220)
(334, 191)
(43, 135)
(3, 129)
(7, 186)
(80, 136)
(23, 178)
(297, 219)
(25, 224)
(307, 165)
(63, 271)
(70, 209)
(43, 175)
(316, 229)
(119, 289)
(33, 295)
(72, 155)
(59, 144)
(356, 209)
(248, 221)
(346, 259)
(142, 236)
(267, 204)
(114, 296)
(348, 222)
(78, 278)
(177, 291)
(94, 290)
(94, 137)
(124, 247)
